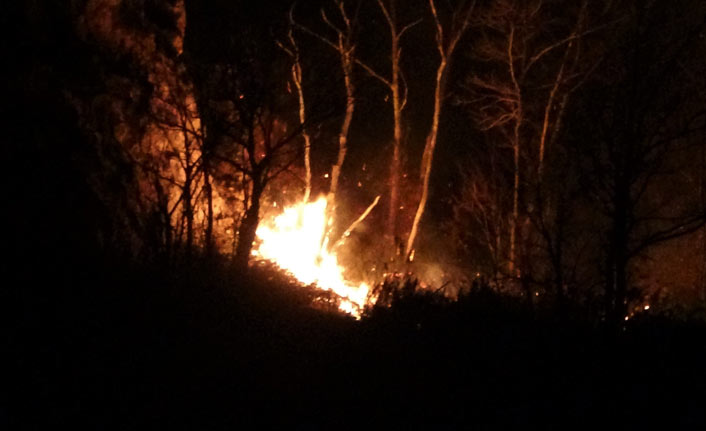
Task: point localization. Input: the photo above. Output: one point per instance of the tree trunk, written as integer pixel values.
(445, 53)
(428, 156)
(248, 228)
(347, 67)
(297, 78)
(395, 163)
(343, 135)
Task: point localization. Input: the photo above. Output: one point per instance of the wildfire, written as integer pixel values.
(293, 241)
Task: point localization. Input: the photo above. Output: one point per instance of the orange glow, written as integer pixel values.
(293, 241)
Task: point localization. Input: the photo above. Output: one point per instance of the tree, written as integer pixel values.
(250, 117)
(344, 46)
(398, 90)
(446, 42)
(644, 118)
(179, 147)
(291, 47)
(258, 141)
(257, 133)
(528, 64)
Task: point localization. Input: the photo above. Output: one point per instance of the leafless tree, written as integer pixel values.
(397, 87)
(530, 73)
(291, 47)
(344, 45)
(447, 38)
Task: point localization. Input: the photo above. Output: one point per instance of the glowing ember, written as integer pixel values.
(292, 240)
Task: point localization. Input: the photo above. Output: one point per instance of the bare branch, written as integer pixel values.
(568, 39)
(355, 224)
(373, 73)
(407, 27)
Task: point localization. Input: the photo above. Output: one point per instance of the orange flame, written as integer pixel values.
(292, 240)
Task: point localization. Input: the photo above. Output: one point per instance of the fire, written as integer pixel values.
(293, 241)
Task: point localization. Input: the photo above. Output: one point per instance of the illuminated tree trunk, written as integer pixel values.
(343, 136)
(399, 100)
(547, 116)
(297, 73)
(548, 207)
(345, 48)
(446, 49)
(559, 81)
(427, 159)
(397, 107)
(293, 51)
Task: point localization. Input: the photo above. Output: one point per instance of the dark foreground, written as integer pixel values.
(129, 349)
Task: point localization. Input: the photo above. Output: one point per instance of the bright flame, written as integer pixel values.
(293, 241)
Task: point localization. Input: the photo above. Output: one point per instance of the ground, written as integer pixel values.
(195, 350)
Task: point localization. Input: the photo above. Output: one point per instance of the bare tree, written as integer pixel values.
(520, 91)
(344, 45)
(180, 143)
(478, 214)
(257, 138)
(446, 41)
(395, 83)
(292, 49)
(262, 149)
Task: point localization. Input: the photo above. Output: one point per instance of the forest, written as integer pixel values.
(355, 213)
